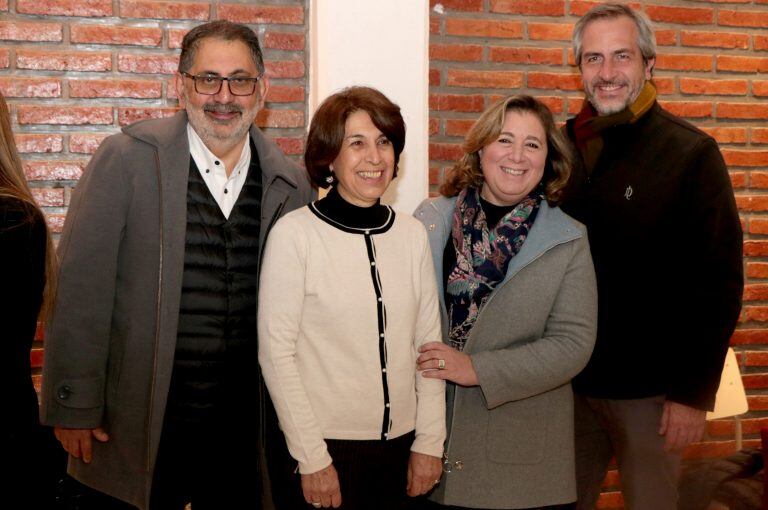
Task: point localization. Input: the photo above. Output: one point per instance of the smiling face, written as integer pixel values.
(365, 163)
(612, 69)
(513, 164)
(222, 118)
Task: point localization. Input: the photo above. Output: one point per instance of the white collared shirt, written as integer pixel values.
(225, 190)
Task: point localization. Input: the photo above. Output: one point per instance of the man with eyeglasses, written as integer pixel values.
(151, 376)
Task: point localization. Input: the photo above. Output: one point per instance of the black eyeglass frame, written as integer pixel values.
(221, 81)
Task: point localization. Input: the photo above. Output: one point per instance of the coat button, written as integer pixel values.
(64, 392)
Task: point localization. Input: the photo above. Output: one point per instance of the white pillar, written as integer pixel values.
(382, 44)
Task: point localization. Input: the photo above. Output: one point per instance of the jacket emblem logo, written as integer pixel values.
(628, 192)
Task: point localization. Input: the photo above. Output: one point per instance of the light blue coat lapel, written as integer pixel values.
(551, 228)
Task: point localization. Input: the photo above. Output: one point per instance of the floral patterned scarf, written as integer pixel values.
(482, 256)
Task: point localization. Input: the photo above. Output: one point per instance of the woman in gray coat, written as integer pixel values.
(519, 310)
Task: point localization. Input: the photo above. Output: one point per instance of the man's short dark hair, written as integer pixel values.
(326, 132)
(221, 29)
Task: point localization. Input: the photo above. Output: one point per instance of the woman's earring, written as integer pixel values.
(329, 179)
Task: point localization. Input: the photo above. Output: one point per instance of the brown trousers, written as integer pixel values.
(628, 430)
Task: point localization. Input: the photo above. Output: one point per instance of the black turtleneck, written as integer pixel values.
(353, 216)
(493, 212)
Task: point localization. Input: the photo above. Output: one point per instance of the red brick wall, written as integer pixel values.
(75, 71)
(712, 69)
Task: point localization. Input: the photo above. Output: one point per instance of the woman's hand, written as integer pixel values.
(424, 472)
(456, 366)
(321, 488)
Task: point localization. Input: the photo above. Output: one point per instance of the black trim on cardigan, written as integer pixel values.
(381, 312)
(336, 211)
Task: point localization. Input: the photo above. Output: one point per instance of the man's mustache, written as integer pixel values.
(602, 83)
(223, 108)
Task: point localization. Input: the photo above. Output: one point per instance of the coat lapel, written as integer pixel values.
(551, 228)
(172, 152)
(173, 158)
(278, 180)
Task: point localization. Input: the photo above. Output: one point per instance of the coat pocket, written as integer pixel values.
(517, 431)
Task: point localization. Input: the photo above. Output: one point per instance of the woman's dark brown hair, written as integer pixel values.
(326, 132)
(467, 171)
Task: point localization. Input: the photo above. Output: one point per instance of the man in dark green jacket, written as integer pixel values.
(666, 241)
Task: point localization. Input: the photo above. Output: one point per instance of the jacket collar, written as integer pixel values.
(170, 134)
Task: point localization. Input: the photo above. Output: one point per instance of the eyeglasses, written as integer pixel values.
(211, 85)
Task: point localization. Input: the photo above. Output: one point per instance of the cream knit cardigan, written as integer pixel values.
(319, 335)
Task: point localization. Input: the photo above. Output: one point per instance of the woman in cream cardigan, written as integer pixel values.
(347, 296)
(519, 302)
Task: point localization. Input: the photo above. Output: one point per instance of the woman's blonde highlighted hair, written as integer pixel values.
(468, 172)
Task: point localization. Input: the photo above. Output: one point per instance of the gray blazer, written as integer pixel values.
(510, 442)
(110, 346)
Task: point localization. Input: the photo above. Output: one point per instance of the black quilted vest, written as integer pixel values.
(216, 345)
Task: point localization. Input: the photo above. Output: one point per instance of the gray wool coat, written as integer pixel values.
(510, 441)
(110, 346)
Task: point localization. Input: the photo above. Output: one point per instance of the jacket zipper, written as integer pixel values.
(157, 323)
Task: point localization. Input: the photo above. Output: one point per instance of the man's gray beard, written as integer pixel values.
(208, 134)
(631, 99)
(609, 111)
(205, 130)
